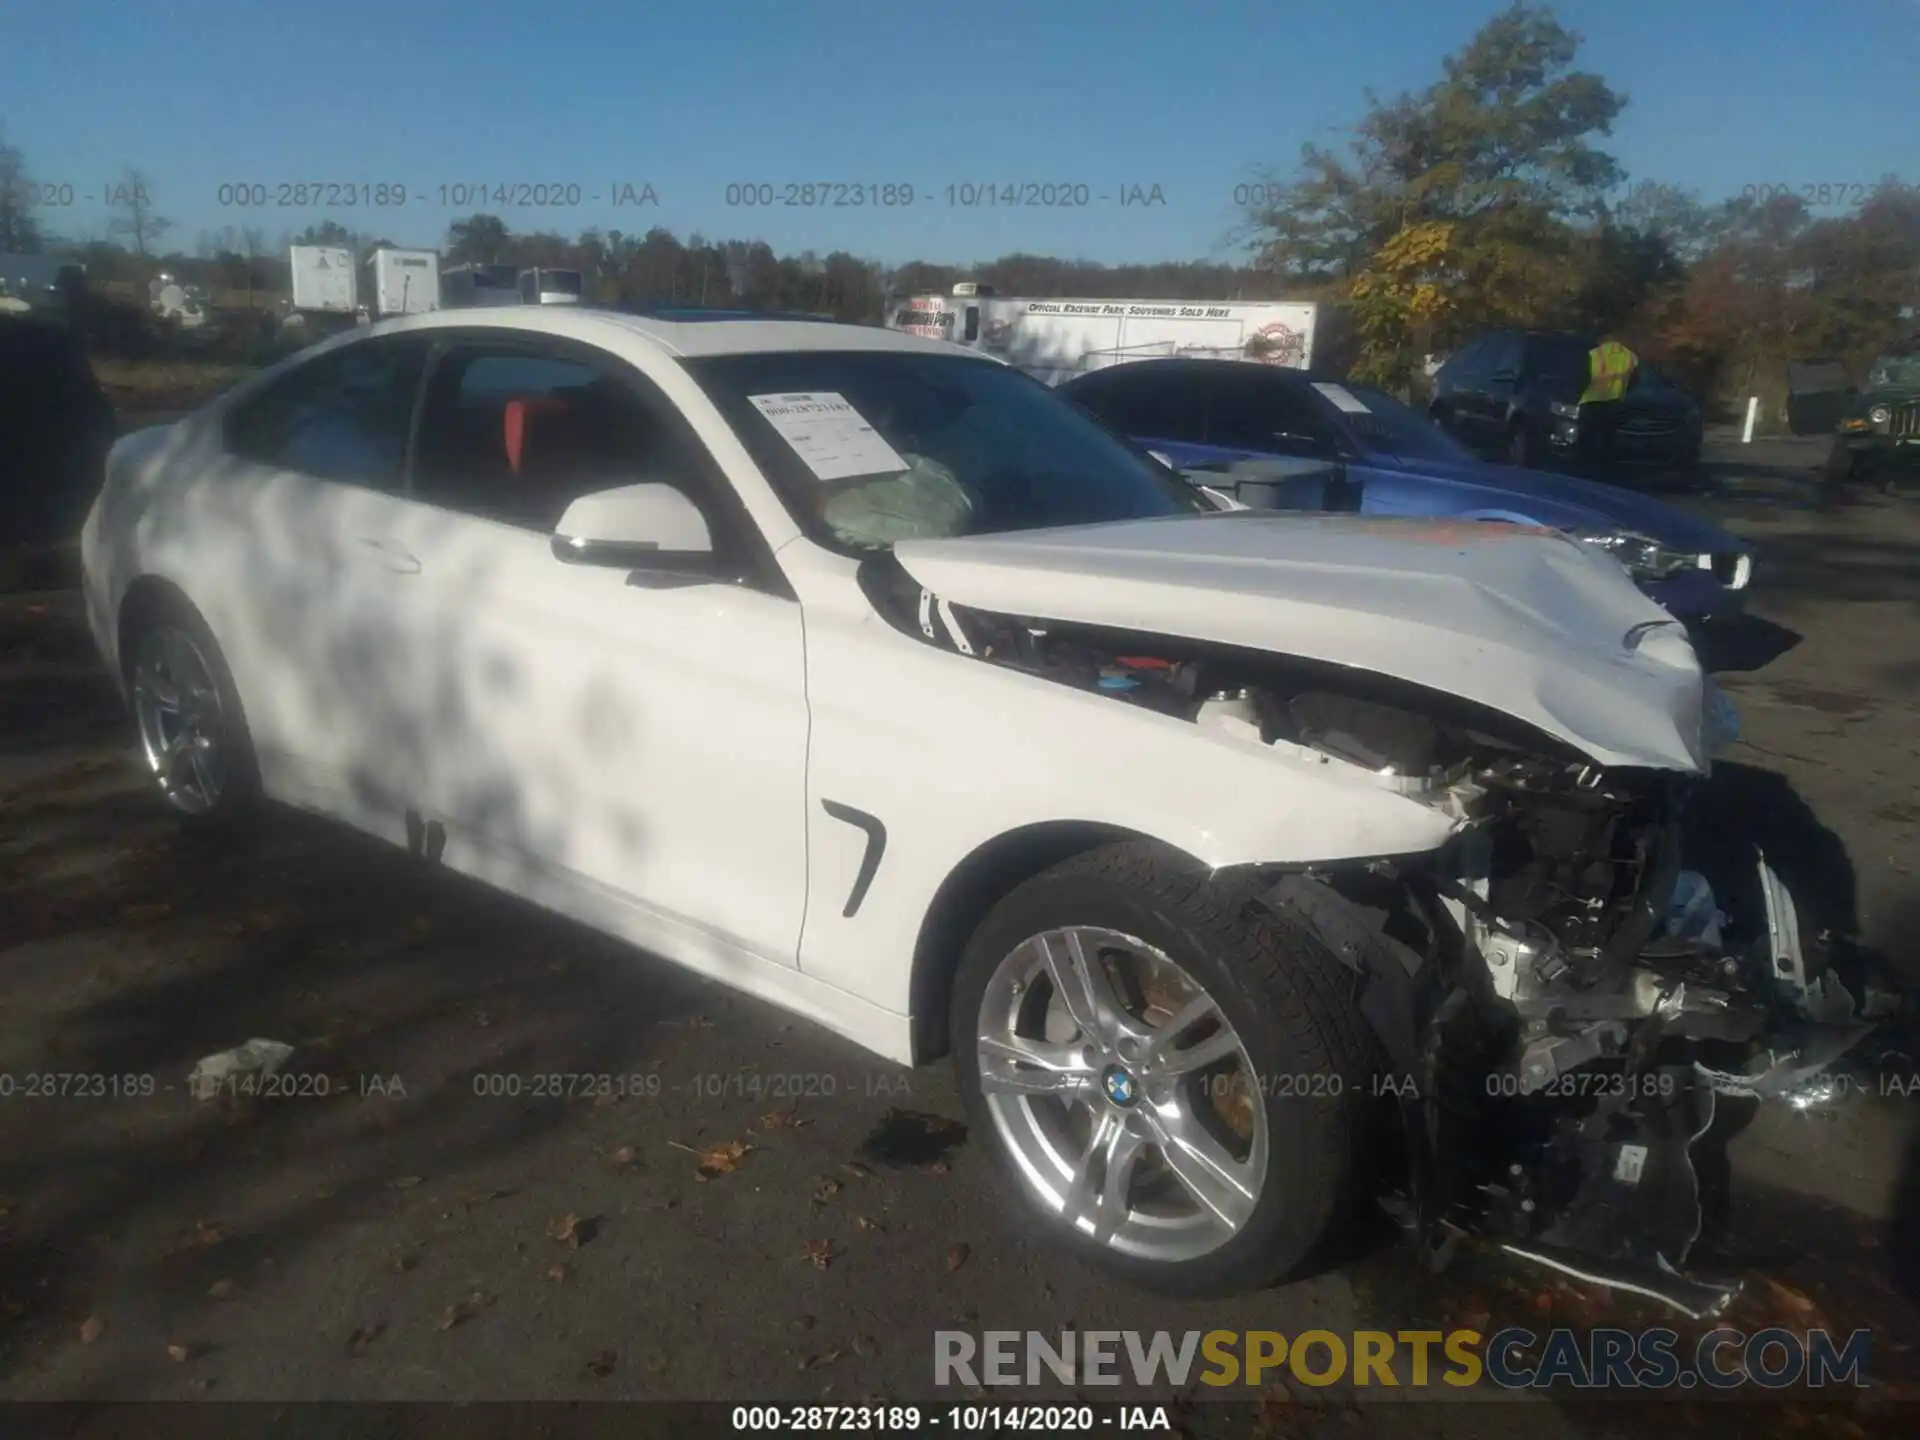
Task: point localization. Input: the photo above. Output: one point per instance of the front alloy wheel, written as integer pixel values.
(1169, 1071)
(1122, 1093)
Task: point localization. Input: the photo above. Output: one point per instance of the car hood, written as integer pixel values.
(1520, 620)
(1565, 502)
(1890, 395)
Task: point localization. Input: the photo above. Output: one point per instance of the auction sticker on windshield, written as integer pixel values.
(832, 437)
(1343, 398)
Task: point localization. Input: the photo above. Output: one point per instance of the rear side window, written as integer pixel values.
(342, 416)
(1260, 411)
(1504, 354)
(1145, 404)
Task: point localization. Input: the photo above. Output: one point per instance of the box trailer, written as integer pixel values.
(465, 285)
(405, 282)
(323, 280)
(1057, 339)
(544, 285)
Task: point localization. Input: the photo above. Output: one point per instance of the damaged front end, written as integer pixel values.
(1559, 1003)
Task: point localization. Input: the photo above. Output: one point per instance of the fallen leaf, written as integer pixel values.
(625, 1155)
(813, 1362)
(471, 1198)
(179, 1354)
(91, 1329)
(1794, 1301)
(857, 1170)
(559, 1272)
(938, 1167)
(464, 1310)
(220, 1289)
(205, 1233)
(825, 1191)
(569, 1230)
(604, 1099)
(406, 1182)
(787, 1119)
(957, 1255)
(867, 1222)
(361, 1338)
(722, 1159)
(864, 1347)
(820, 1252)
(601, 1363)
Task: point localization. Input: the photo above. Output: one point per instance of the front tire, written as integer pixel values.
(1169, 1074)
(193, 734)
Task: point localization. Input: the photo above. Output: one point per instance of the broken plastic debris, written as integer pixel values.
(256, 1057)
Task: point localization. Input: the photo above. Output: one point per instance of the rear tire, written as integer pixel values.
(193, 733)
(1286, 1116)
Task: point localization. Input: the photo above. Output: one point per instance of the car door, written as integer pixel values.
(1491, 402)
(600, 734)
(301, 576)
(1254, 411)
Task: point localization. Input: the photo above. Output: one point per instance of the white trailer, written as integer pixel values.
(1057, 339)
(544, 285)
(324, 281)
(405, 282)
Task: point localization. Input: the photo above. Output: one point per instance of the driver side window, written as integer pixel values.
(1263, 413)
(515, 434)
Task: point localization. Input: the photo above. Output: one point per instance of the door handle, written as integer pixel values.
(393, 555)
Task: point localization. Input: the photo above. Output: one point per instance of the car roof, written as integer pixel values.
(682, 333)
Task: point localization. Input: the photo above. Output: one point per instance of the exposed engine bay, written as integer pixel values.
(1559, 1004)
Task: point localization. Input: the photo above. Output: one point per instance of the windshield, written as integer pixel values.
(1895, 370)
(870, 447)
(1400, 429)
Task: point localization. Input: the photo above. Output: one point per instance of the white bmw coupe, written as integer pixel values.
(1246, 863)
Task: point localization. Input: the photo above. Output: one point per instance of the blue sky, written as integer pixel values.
(1194, 96)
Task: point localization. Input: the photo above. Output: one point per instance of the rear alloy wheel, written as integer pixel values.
(192, 733)
(1166, 1071)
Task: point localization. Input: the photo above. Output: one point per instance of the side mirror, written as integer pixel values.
(634, 527)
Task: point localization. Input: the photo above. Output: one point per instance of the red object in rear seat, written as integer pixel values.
(516, 422)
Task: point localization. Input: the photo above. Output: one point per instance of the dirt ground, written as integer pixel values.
(402, 1227)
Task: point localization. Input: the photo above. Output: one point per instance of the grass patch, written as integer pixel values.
(172, 384)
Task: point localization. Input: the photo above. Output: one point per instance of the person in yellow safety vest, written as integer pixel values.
(1610, 367)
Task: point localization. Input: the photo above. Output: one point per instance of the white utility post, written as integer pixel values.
(1753, 412)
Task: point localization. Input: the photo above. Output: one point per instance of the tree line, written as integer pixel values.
(1487, 198)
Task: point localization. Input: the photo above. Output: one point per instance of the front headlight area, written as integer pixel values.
(1643, 557)
(1563, 424)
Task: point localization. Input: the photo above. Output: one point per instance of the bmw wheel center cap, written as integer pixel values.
(1119, 1085)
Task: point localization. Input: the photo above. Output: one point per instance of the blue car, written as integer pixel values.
(1357, 449)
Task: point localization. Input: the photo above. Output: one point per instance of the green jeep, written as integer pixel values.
(1880, 432)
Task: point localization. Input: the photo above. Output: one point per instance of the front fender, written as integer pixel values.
(945, 754)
